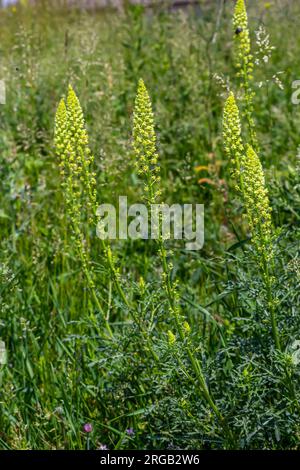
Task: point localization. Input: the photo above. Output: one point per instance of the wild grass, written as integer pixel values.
(152, 345)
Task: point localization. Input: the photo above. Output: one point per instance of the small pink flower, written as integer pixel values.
(130, 432)
(87, 427)
(103, 447)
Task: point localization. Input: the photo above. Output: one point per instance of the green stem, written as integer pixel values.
(248, 111)
(196, 366)
(270, 301)
(130, 306)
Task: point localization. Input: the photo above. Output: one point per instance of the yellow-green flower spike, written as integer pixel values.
(83, 158)
(76, 119)
(60, 122)
(186, 328)
(244, 64)
(242, 37)
(79, 182)
(248, 168)
(233, 143)
(144, 142)
(71, 143)
(171, 338)
(257, 204)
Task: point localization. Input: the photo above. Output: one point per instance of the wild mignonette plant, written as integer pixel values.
(233, 144)
(261, 311)
(182, 350)
(71, 147)
(244, 65)
(144, 144)
(252, 188)
(247, 171)
(76, 159)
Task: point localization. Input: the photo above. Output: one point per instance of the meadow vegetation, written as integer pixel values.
(134, 344)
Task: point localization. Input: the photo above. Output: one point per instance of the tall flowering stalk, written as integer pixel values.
(244, 64)
(146, 161)
(76, 160)
(257, 204)
(68, 139)
(144, 145)
(250, 183)
(258, 210)
(232, 136)
(79, 142)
